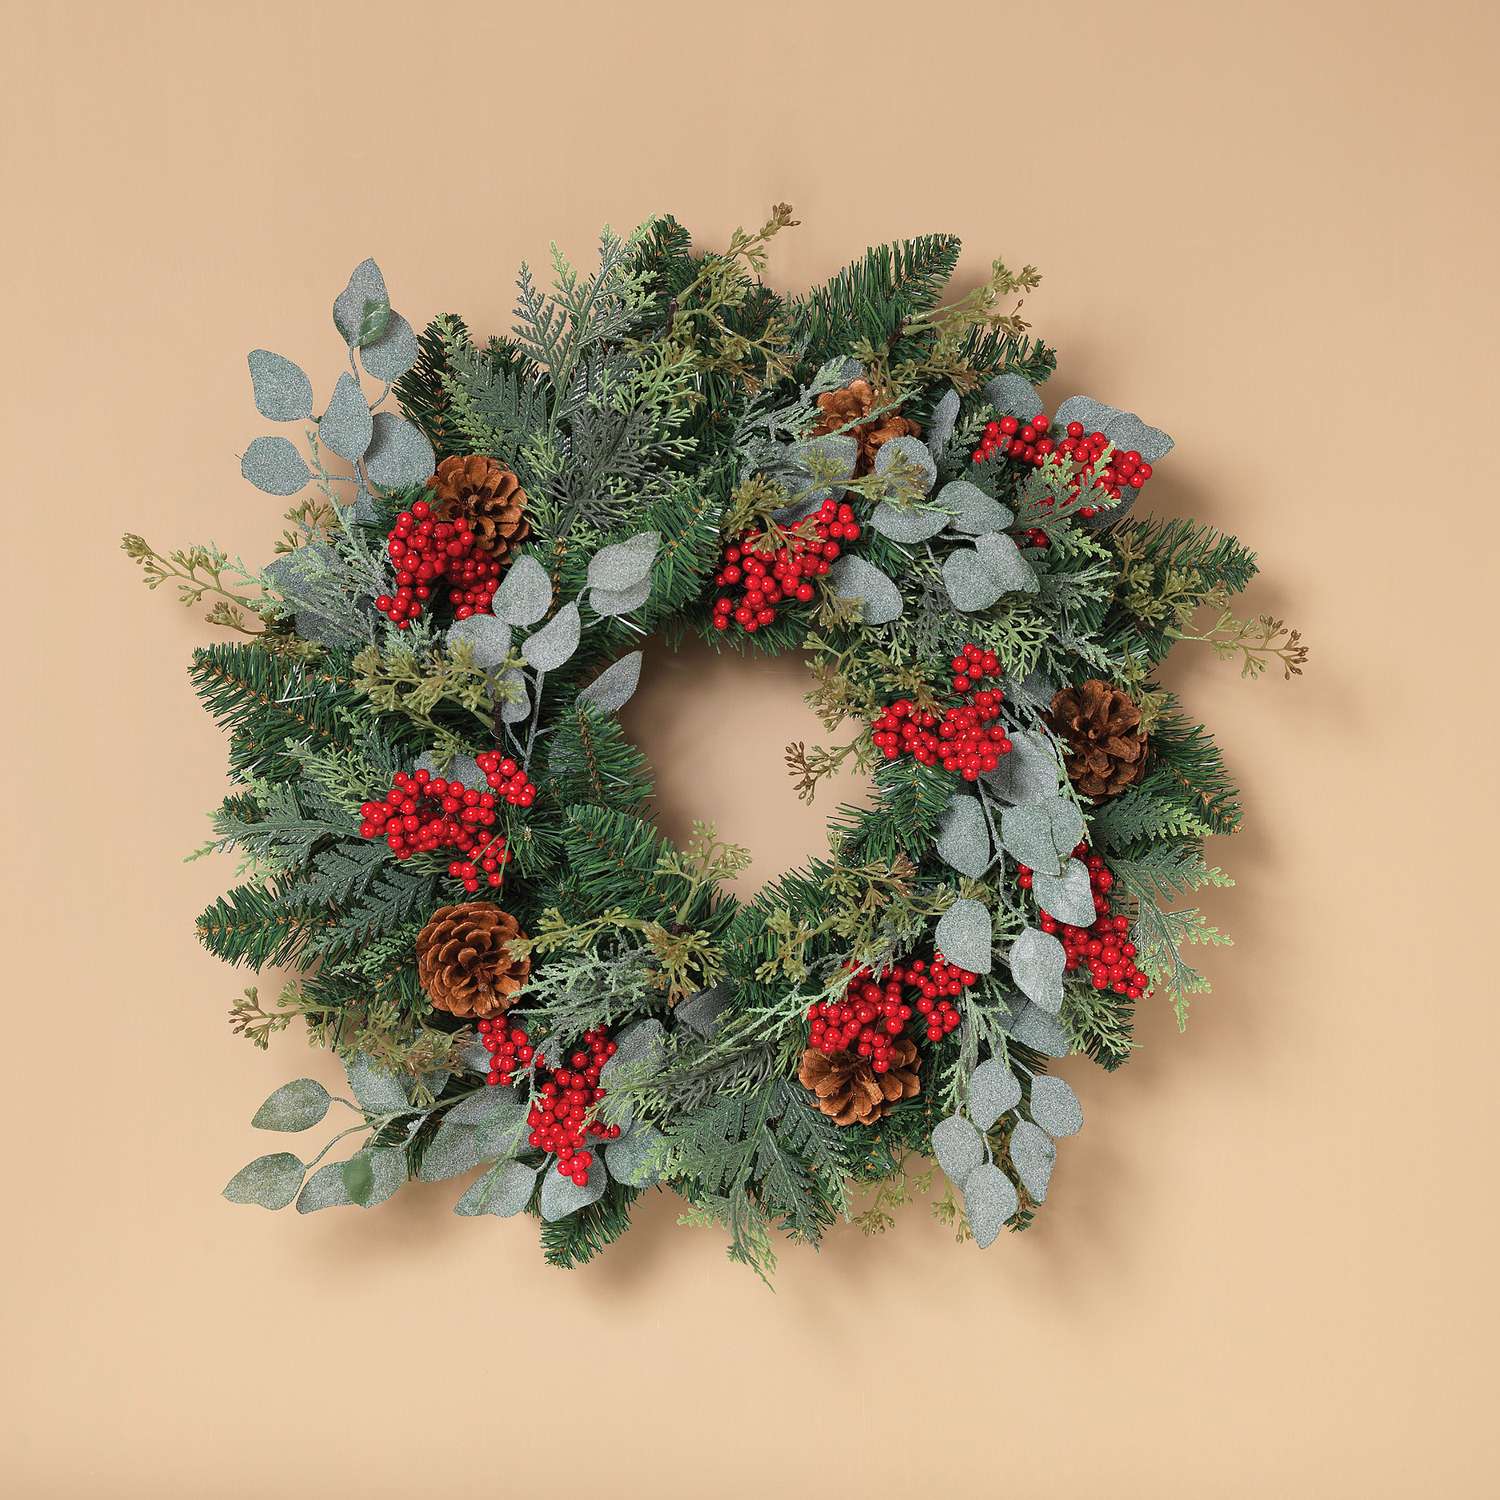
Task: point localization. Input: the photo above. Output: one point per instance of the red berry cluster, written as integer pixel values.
(1104, 947)
(969, 739)
(876, 1008)
(1030, 443)
(424, 549)
(758, 577)
(559, 1119)
(423, 813)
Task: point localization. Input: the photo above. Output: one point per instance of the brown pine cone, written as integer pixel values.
(1106, 746)
(849, 404)
(850, 1092)
(489, 495)
(463, 963)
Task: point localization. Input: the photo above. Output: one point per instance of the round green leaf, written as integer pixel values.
(282, 391)
(989, 1200)
(271, 464)
(297, 1105)
(268, 1181)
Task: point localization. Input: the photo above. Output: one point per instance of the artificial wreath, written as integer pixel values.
(446, 837)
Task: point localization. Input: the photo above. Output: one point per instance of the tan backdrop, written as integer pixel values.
(1272, 229)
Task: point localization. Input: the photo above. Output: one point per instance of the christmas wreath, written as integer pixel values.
(446, 836)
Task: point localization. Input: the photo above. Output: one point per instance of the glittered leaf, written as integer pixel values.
(907, 524)
(268, 1182)
(633, 1159)
(525, 593)
(503, 1191)
(1094, 415)
(970, 510)
(515, 705)
(374, 322)
(1037, 961)
(1032, 1154)
(376, 1090)
(993, 1089)
(325, 1189)
(958, 1146)
(1031, 1026)
(970, 584)
(282, 391)
(613, 602)
(1042, 834)
(642, 1042)
(272, 464)
(460, 768)
(366, 285)
(399, 454)
(452, 1151)
(1028, 772)
(1055, 1107)
(625, 564)
(1002, 557)
(561, 1196)
(391, 353)
(964, 935)
(853, 578)
(548, 648)
(298, 1105)
(1069, 897)
(614, 687)
(940, 425)
(989, 1201)
(963, 837)
(346, 427)
(1013, 396)
(701, 1012)
(834, 455)
(910, 454)
(489, 638)
(1131, 435)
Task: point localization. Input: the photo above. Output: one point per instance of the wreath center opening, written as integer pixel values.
(715, 727)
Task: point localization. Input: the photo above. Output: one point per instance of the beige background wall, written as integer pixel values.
(1272, 229)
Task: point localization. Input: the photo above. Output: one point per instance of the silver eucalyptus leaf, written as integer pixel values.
(267, 1182)
(525, 593)
(399, 455)
(1031, 1026)
(325, 1189)
(970, 584)
(388, 1170)
(964, 935)
(1013, 396)
(1029, 771)
(614, 687)
(970, 510)
(274, 466)
(909, 453)
(297, 1105)
(610, 603)
(283, 393)
(622, 566)
(940, 426)
(451, 1152)
(834, 455)
(1032, 1154)
(1037, 962)
(366, 285)
(963, 839)
(504, 1191)
(548, 648)
(1042, 834)
(1131, 435)
(346, 426)
(958, 1146)
(561, 1196)
(488, 637)
(642, 1042)
(503, 1131)
(515, 704)
(1094, 415)
(634, 1159)
(989, 1201)
(907, 524)
(999, 553)
(701, 1012)
(1055, 1107)
(993, 1089)
(852, 577)
(391, 355)
(376, 1090)
(1069, 897)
